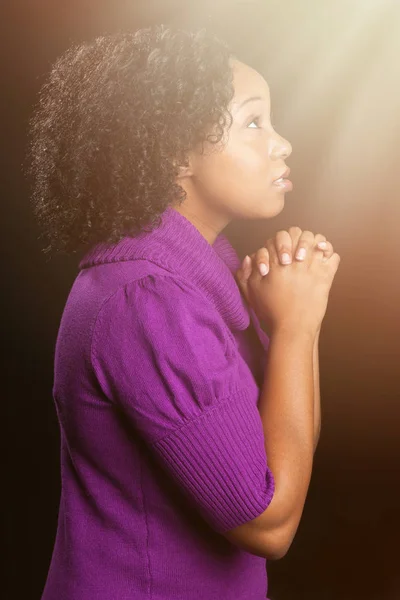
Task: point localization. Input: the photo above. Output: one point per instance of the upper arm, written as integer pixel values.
(160, 351)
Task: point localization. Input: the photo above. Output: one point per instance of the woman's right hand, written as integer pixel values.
(292, 296)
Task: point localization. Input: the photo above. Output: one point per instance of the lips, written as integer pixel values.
(283, 175)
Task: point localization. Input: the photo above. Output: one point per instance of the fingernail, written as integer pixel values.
(246, 262)
(301, 254)
(263, 269)
(321, 245)
(286, 258)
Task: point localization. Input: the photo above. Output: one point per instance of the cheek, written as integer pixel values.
(236, 171)
(250, 160)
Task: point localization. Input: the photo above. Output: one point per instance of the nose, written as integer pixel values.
(281, 148)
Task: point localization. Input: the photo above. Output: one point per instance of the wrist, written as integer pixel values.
(294, 332)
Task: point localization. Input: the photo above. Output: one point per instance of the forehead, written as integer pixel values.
(248, 82)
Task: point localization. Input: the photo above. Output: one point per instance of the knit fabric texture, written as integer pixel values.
(157, 376)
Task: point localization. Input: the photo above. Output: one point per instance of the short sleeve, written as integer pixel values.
(163, 354)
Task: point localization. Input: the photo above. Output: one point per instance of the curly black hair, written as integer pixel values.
(114, 120)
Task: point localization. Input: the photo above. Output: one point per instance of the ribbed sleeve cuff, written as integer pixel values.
(219, 459)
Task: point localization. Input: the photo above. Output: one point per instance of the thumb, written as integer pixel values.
(242, 276)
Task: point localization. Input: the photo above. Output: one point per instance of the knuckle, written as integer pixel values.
(308, 235)
(307, 239)
(283, 242)
(295, 230)
(281, 233)
(261, 254)
(334, 260)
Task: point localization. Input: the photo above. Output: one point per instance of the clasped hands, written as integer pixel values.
(283, 249)
(288, 245)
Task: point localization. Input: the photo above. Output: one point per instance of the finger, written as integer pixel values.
(323, 246)
(320, 241)
(261, 261)
(247, 266)
(283, 244)
(242, 276)
(334, 261)
(305, 244)
(245, 269)
(327, 251)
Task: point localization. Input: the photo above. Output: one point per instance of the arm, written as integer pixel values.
(317, 395)
(286, 408)
(159, 352)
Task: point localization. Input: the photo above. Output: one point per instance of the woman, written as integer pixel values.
(144, 147)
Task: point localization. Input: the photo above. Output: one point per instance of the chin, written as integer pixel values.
(267, 207)
(271, 207)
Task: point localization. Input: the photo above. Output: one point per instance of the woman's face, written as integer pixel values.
(237, 178)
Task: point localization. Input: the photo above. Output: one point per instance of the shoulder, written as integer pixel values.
(158, 306)
(161, 335)
(156, 290)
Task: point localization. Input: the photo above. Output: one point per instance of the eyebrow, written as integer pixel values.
(252, 99)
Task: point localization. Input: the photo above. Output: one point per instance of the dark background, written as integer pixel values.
(334, 74)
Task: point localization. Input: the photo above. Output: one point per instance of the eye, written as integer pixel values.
(254, 120)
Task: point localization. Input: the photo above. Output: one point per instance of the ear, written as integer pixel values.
(184, 170)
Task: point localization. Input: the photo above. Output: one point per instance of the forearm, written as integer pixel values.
(286, 408)
(317, 394)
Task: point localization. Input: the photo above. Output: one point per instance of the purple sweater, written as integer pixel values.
(156, 385)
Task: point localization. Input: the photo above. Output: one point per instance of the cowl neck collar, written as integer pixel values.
(178, 246)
